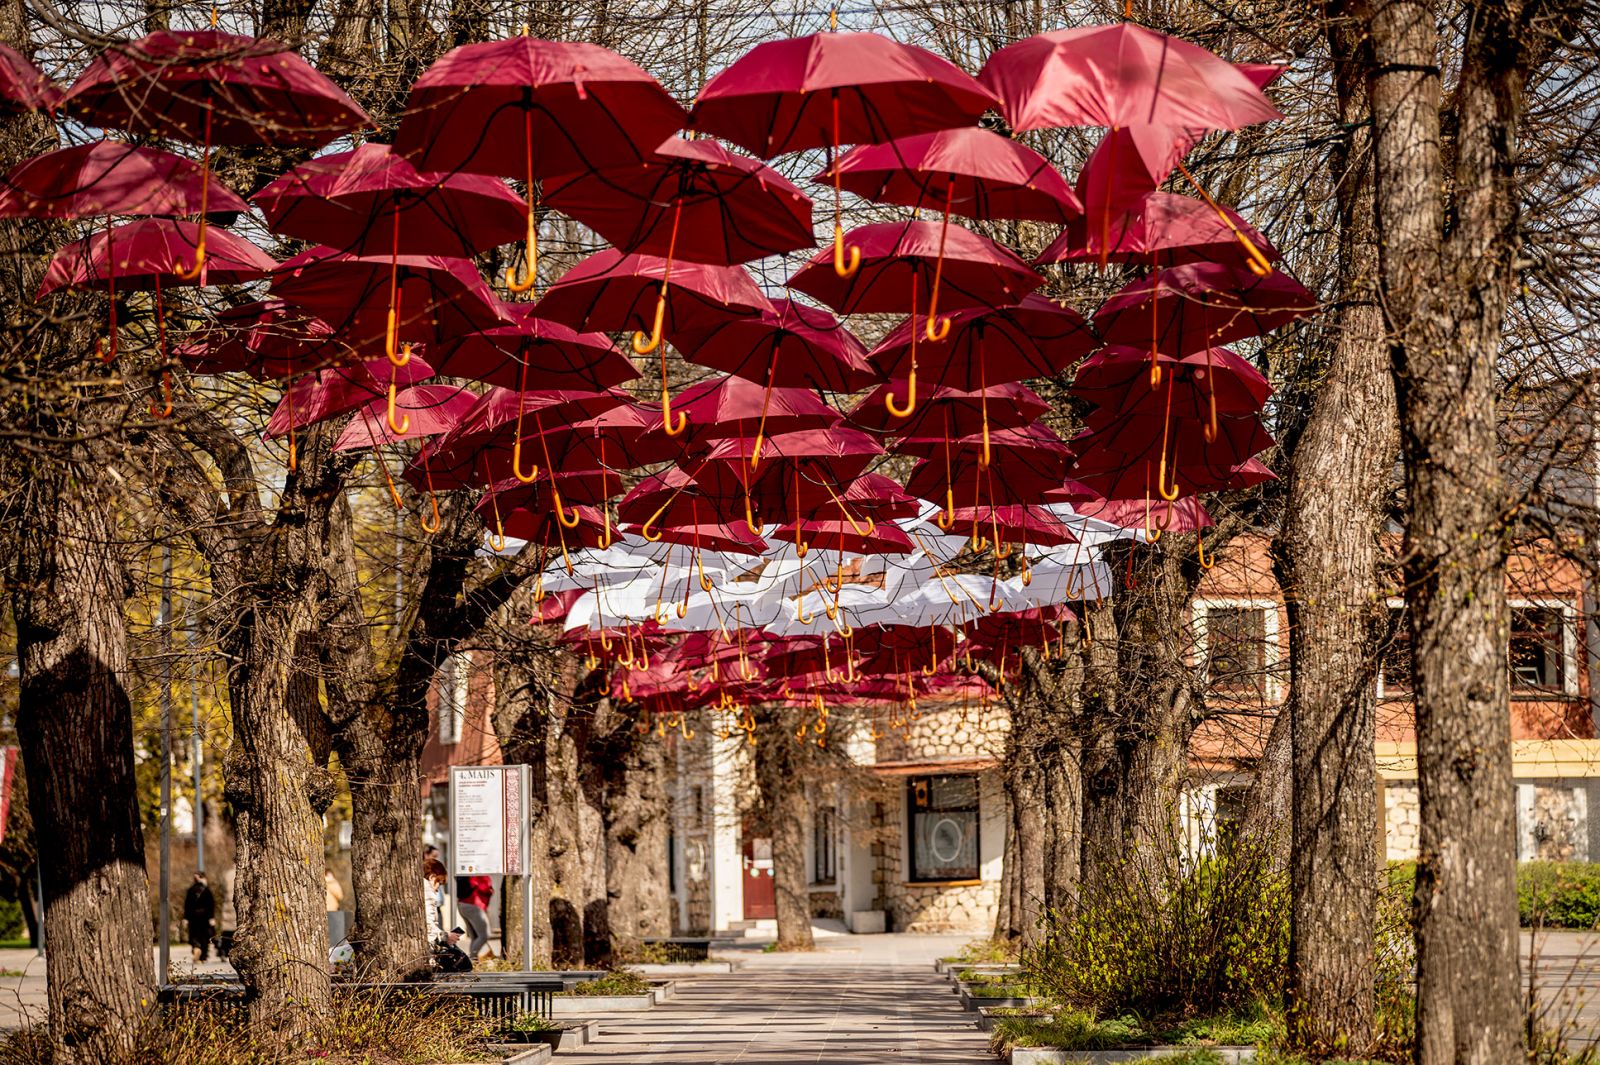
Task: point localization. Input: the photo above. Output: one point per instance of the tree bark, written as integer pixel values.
(74, 724)
(1101, 833)
(780, 775)
(1328, 558)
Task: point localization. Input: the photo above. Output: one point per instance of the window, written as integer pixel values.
(823, 867)
(1538, 649)
(1394, 668)
(1236, 641)
(453, 678)
(944, 827)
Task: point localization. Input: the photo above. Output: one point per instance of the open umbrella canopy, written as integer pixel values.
(964, 481)
(1238, 437)
(691, 200)
(533, 352)
(1033, 444)
(901, 259)
(111, 178)
(734, 538)
(969, 171)
(950, 412)
(330, 393)
(428, 410)
(148, 254)
(1200, 305)
(988, 345)
(1017, 524)
(501, 417)
(1130, 477)
(370, 201)
(880, 497)
(615, 439)
(1162, 229)
(1118, 379)
(23, 86)
(830, 534)
(1184, 515)
(439, 297)
(205, 86)
(799, 471)
(734, 407)
(265, 339)
(1120, 75)
(789, 345)
(557, 107)
(611, 291)
(828, 89)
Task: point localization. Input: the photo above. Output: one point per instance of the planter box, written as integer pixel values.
(683, 968)
(970, 1001)
(867, 922)
(570, 1036)
(584, 1005)
(987, 1020)
(662, 990)
(1048, 1056)
(534, 1055)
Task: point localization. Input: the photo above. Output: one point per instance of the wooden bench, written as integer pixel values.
(502, 999)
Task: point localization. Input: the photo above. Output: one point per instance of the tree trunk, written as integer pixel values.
(75, 728)
(1063, 808)
(638, 905)
(1328, 557)
(1269, 805)
(780, 774)
(1101, 835)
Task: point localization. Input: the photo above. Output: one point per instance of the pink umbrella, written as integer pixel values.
(23, 86)
(614, 439)
(431, 410)
(1203, 383)
(846, 537)
(1197, 306)
(1016, 524)
(789, 346)
(330, 393)
(1165, 229)
(1121, 75)
(534, 352)
(265, 339)
(970, 170)
(110, 177)
(733, 407)
(1180, 516)
(830, 89)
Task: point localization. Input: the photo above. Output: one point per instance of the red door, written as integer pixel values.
(760, 893)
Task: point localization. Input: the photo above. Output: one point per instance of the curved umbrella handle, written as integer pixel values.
(166, 394)
(947, 515)
(1200, 549)
(193, 273)
(561, 516)
(911, 397)
(644, 343)
(668, 426)
(398, 428)
(933, 332)
(1161, 481)
(843, 265)
(433, 500)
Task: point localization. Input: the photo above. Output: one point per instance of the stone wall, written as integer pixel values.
(1401, 818)
(825, 902)
(949, 730)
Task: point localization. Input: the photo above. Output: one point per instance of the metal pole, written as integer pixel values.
(197, 753)
(164, 930)
(527, 871)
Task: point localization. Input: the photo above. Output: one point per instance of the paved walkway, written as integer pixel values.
(858, 1000)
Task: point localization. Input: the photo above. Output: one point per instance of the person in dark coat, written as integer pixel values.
(199, 907)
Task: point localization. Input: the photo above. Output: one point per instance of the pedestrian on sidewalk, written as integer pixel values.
(473, 894)
(447, 957)
(199, 907)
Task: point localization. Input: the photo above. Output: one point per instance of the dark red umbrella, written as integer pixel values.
(734, 407)
(830, 89)
(673, 499)
(1116, 378)
(963, 480)
(969, 171)
(1120, 75)
(526, 108)
(370, 201)
(329, 393)
(648, 294)
(1165, 229)
(880, 497)
(265, 339)
(497, 421)
(800, 471)
(1180, 516)
(733, 538)
(110, 177)
(429, 410)
(1185, 440)
(899, 259)
(789, 346)
(615, 439)
(1200, 305)
(1016, 524)
(691, 200)
(847, 537)
(533, 352)
(1124, 477)
(1033, 443)
(950, 412)
(23, 86)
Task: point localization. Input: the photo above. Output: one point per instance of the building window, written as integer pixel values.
(944, 827)
(1236, 641)
(823, 861)
(1539, 649)
(1394, 668)
(453, 678)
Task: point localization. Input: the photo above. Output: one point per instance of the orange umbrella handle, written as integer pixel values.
(194, 272)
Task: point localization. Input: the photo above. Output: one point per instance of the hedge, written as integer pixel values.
(1549, 894)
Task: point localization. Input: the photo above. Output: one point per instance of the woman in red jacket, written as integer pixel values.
(472, 899)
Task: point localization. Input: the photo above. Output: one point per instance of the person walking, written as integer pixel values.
(473, 894)
(199, 907)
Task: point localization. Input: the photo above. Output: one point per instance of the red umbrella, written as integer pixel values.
(1033, 443)
(208, 87)
(847, 538)
(613, 291)
(1165, 229)
(1016, 524)
(802, 470)
(789, 346)
(1124, 477)
(533, 351)
(725, 407)
(497, 419)
(371, 201)
(1180, 516)
(981, 346)
(898, 258)
(881, 497)
(265, 339)
(1200, 305)
(330, 393)
(528, 109)
(23, 86)
(1120, 75)
(1203, 383)
(671, 499)
(971, 171)
(829, 89)
(691, 200)
(1237, 437)
(110, 177)
(614, 439)
(1009, 481)
(430, 410)
(951, 412)
(733, 538)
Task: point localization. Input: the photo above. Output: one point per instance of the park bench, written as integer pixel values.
(503, 999)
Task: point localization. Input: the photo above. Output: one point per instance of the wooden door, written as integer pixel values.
(760, 892)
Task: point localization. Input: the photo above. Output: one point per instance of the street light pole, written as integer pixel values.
(197, 752)
(164, 929)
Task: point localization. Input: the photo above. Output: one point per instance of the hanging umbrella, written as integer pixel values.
(846, 537)
(371, 201)
(1120, 75)
(801, 471)
(530, 109)
(533, 352)
(430, 409)
(1131, 477)
(1016, 524)
(1238, 436)
(613, 291)
(329, 393)
(733, 407)
(1184, 515)
(497, 419)
(23, 86)
(969, 171)
(789, 345)
(111, 178)
(1163, 229)
(265, 339)
(880, 497)
(899, 259)
(963, 481)
(689, 200)
(1033, 443)
(951, 412)
(830, 89)
(1203, 383)
(1200, 305)
(733, 538)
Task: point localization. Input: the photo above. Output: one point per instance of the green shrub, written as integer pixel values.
(1559, 894)
(985, 952)
(618, 982)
